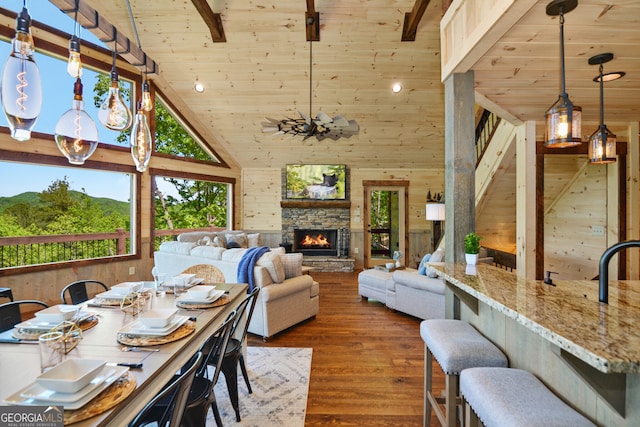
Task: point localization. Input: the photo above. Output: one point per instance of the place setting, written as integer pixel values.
(57, 317)
(122, 294)
(181, 282)
(154, 327)
(201, 296)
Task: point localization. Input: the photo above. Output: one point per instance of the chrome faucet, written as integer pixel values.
(604, 266)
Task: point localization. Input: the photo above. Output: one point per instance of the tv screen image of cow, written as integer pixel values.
(316, 182)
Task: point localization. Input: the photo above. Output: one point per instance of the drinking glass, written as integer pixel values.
(179, 286)
(51, 353)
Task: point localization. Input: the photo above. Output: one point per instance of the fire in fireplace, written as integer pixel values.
(316, 242)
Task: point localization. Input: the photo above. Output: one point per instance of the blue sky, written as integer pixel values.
(57, 96)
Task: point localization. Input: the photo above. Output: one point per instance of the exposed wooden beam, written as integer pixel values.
(212, 19)
(90, 19)
(312, 22)
(412, 19)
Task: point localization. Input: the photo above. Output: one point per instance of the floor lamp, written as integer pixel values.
(435, 213)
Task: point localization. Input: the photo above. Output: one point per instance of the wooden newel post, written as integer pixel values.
(121, 241)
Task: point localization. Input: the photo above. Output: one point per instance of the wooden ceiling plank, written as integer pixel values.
(412, 19)
(212, 20)
(312, 22)
(90, 19)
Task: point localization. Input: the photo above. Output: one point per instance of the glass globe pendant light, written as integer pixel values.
(21, 90)
(114, 113)
(141, 140)
(76, 133)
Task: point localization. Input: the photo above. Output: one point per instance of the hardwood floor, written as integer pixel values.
(367, 365)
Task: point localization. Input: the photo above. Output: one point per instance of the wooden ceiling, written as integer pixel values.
(263, 70)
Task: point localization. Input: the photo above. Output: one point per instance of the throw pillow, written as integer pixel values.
(234, 245)
(272, 262)
(253, 239)
(220, 242)
(239, 238)
(292, 265)
(422, 268)
(437, 256)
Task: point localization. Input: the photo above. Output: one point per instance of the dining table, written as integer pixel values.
(20, 364)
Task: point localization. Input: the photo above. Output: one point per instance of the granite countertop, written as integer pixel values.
(605, 336)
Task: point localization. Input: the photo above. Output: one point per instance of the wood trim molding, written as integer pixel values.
(315, 204)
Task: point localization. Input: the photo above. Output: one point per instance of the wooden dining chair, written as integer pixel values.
(11, 312)
(169, 404)
(233, 353)
(209, 273)
(78, 291)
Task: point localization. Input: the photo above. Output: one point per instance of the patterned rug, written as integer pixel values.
(279, 378)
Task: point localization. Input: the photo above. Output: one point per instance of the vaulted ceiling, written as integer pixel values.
(263, 70)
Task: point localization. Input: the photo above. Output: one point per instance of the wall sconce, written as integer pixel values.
(563, 120)
(602, 143)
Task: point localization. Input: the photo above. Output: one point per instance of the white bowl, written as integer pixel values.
(201, 291)
(183, 279)
(127, 287)
(57, 313)
(157, 318)
(71, 375)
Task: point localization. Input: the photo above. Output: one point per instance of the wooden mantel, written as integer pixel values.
(315, 204)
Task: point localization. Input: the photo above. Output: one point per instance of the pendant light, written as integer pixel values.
(21, 90)
(74, 64)
(76, 133)
(563, 121)
(141, 140)
(114, 113)
(602, 142)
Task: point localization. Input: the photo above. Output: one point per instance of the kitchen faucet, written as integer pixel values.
(604, 266)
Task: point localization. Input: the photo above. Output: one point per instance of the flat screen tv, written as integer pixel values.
(316, 182)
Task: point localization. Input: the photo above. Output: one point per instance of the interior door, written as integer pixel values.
(384, 221)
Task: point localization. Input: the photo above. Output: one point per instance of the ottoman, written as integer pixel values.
(374, 283)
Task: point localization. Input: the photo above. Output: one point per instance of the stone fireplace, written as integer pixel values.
(315, 242)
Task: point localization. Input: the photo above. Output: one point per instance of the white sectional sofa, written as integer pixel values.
(287, 297)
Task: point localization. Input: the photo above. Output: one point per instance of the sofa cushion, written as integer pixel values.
(292, 264)
(239, 238)
(272, 262)
(253, 239)
(233, 255)
(182, 248)
(195, 236)
(412, 279)
(211, 252)
(422, 268)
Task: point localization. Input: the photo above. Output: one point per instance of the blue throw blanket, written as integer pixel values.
(247, 262)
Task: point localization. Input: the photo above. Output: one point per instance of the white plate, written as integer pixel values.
(138, 328)
(187, 299)
(18, 399)
(201, 291)
(36, 324)
(110, 295)
(39, 392)
(126, 287)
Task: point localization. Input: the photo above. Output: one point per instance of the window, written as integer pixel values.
(53, 214)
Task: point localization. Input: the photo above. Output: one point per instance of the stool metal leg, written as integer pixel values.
(428, 383)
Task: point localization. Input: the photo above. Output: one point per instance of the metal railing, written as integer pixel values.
(485, 129)
(21, 251)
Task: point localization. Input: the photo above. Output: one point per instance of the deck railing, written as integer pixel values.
(30, 250)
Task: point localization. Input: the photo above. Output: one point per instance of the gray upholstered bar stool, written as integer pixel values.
(456, 345)
(505, 397)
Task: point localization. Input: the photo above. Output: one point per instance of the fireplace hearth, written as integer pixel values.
(312, 242)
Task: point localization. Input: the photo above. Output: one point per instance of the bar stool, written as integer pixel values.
(512, 397)
(456, 346)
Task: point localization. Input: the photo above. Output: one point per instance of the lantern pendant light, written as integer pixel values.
(114, 113)
(76, 133)
(21, 90)
(602, 143)
(563, 120)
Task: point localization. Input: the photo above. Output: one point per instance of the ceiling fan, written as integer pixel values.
(322, 126)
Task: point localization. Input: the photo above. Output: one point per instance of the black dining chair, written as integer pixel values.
(11, 312)
(202, 396)
(233, 354)
(78, 291)
(169, 404)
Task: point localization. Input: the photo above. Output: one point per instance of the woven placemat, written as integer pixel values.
(32, 334)
(141, 341)
(223, 300)
(111, 396)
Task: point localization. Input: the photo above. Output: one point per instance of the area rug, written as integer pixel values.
(279, 378)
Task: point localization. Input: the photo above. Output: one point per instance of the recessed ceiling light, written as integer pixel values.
(396, 88)
(198, 87)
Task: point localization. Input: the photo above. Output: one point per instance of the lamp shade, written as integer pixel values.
(435, 211)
